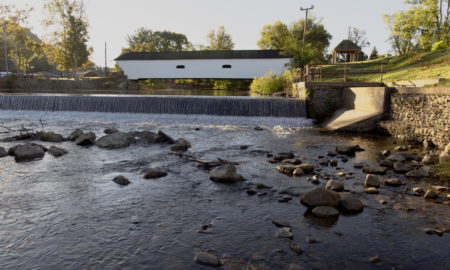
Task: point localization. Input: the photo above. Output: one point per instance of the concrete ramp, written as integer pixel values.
(363, 106)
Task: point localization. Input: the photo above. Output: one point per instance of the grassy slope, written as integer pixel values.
(427, 65)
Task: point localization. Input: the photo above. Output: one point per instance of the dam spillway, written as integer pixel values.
(230, 106)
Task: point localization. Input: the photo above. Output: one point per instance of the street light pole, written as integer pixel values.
(5, 48)
(305, 26)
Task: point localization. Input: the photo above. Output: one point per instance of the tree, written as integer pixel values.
(419, 27)
(374, 53)
(358, 36)
(68, 48)
(290, 39)
(147, 40)
(219, 40)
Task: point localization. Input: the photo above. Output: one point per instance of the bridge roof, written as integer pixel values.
(235, 54)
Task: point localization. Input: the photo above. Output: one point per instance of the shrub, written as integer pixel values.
(10, 81)
(269, 83)
(153, 84)
(440, 45)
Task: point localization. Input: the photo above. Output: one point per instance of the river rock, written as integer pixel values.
(321, 197)
(298, 172)
(325, 212)
(56, 151)
(335, 186)
(285, 232)
(225, 174)
(418, 191)
(296, 248)
(348, 150)
(293, 161)
(75, 134)
(27, 152)
(208, 259)
(431, 194)
(444, 157)
(324, 161)
(375, 170)
(154, 173)
(393, 182)
(110, 130)
(396, 158)
(387, 163)
(287, 169)
(85, 139)
(164, 138)
(145, 136)
(306, 167)
(360, 165)
(332, 153)
(372, 190)
(180, 145)
(121, 180)
(401, 148)
(401, 167)
(372, 181)
(333, 163)
(385, 153)
(114, 141)
(419, 173)
(3, 152)
(350, 203)
(49, 136)
(440, 188)
(430, 159)
(283, 156)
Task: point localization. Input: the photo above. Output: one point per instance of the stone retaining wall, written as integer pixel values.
(420, 115)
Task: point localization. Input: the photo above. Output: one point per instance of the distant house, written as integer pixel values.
(239, 64)
(348, 49)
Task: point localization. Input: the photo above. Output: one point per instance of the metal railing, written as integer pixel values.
(319, 73)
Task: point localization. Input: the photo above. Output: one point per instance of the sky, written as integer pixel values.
(111, 21)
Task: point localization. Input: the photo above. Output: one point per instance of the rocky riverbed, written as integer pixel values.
(134, 191)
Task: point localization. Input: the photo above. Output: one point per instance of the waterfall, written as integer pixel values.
(234, 106)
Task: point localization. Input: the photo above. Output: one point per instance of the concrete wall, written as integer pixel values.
(202, 68)
(420, 114)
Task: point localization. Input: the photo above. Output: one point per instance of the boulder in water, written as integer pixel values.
(335, 186)
(325, 212)
(375, 170)
(49, 136)
(121, 180)
(27, 152)
(208, 259)
(85, 139)
(110, 130)
(321, 197)
(348, 150)
(3, 152)
(349, 203)
(56, 151)
(154, 173)
(225, 174)
(164, 138)
(114, 141)
(180, 145)
(75, 134)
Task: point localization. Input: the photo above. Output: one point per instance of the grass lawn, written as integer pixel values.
(426, 65)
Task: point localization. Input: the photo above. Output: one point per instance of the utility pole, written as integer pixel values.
(305, 26)
(106, 60)
(5, 48)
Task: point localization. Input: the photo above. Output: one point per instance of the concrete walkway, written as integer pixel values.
(361, 104)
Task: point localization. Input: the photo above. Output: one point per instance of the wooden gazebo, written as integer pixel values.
(347, 48)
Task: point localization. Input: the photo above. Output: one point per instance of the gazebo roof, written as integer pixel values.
(347, 45)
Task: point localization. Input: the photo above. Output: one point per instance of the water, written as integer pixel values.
(237, 106)
(66, 213)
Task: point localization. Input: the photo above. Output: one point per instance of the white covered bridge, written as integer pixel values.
(238, 64)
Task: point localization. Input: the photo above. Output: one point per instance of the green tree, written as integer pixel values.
(290, 39)
(374, 53)
(219, 40)
(147, 40)
(68, 48)
(358, 36)
(424, 23)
